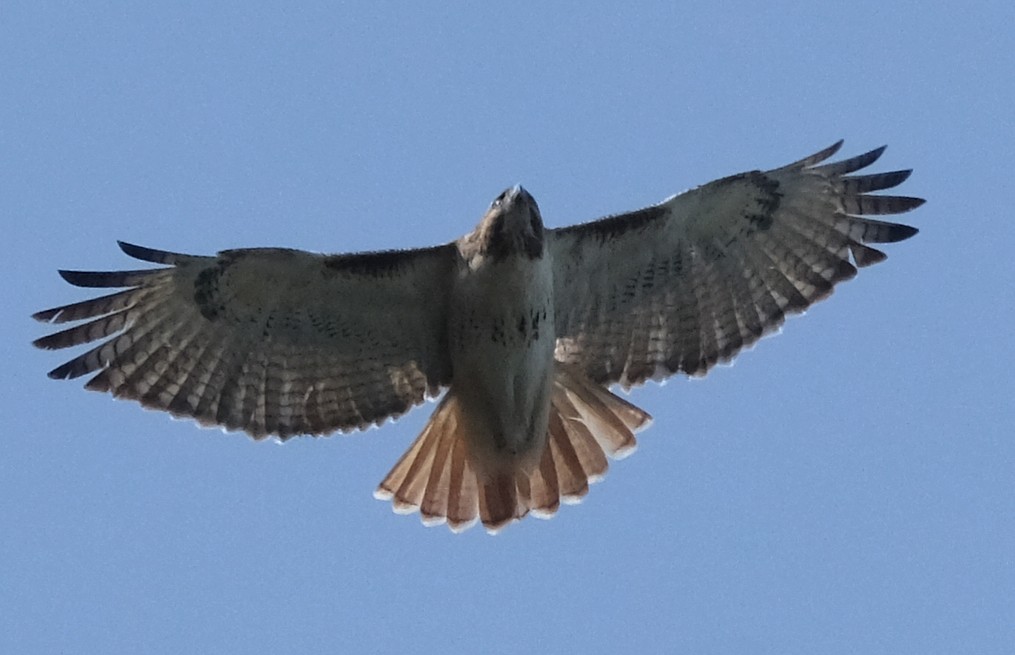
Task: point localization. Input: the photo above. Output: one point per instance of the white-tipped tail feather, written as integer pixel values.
(438, 476)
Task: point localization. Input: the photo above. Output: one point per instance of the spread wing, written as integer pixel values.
(269, 341)
(687, 283)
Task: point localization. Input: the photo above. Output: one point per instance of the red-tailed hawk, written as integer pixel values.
(525, 327)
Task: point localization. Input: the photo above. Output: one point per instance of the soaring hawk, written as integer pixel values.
(525, 327)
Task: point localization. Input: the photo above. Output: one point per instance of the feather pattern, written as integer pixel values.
(690, 282)
(439, 476)
(266, 340)
(526, 328)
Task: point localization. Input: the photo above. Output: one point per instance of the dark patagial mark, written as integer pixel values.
(768, 200)
(760, 222)
(374, 264)
(206, 291)
(712, 252)
(615, 226)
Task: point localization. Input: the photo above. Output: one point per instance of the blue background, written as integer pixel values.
(845, 487)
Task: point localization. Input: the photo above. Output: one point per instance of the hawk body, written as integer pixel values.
(501, 336)
(523, 328)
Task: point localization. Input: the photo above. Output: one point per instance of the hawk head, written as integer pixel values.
(512, 226)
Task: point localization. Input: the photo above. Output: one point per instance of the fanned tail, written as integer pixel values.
(439, 477)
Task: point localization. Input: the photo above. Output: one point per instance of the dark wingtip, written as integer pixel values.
(903, 203)
(821, 156)
(60, 373)
(901, 176)
(49, 342)
(148, 254)
(864, 160)
(128, 248)
(71, 276)
(896, 232)
(46, 315)
(87, 279)
(108, 279)
(816, 158)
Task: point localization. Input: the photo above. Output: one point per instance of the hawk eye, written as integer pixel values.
(499, 199)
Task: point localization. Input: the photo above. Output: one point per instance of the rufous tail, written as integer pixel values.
(439, 477)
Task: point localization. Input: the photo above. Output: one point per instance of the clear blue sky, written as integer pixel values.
(846, 487)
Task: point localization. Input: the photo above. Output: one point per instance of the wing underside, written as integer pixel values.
(269, 341)
(683, 285)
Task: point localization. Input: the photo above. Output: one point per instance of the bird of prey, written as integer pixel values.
(523, 328)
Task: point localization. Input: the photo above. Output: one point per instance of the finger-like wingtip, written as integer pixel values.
(898, 177)
(817, 157)
(830, 150)
(149, 254)
(71, 277)
(906, 231)
(62, 372)
(46, 315)
(127, 247)
(850, 165)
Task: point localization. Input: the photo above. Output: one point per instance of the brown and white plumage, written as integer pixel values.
(685, 284)
(525, 327)
(269, 341)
